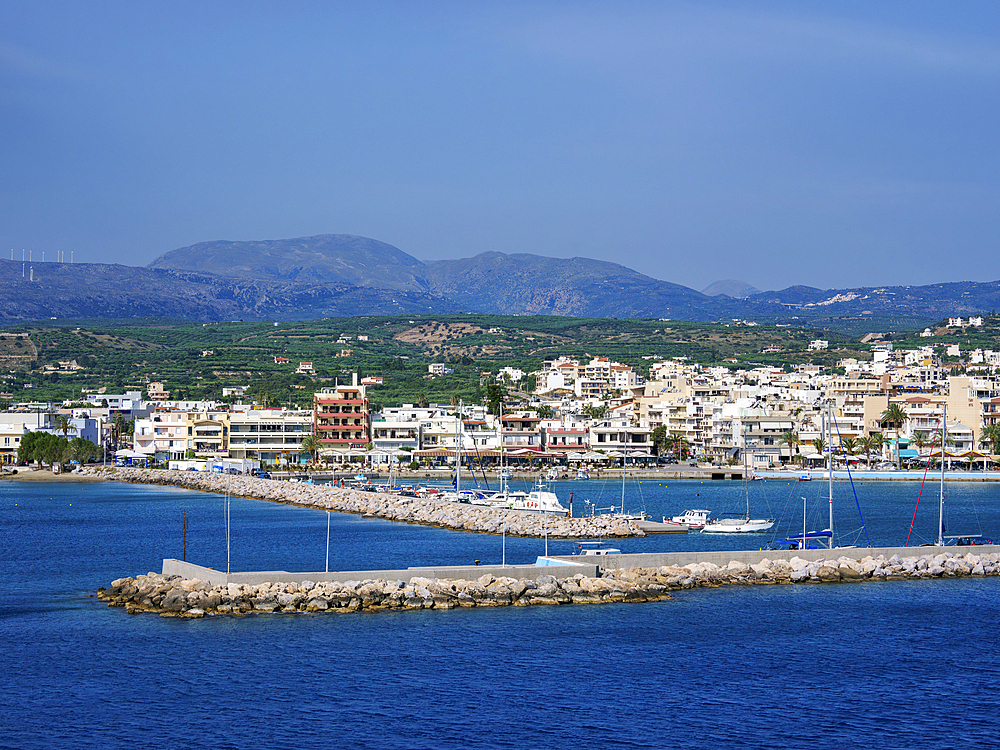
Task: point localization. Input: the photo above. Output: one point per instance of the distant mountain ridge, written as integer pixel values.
(730, 288)
(335, 275)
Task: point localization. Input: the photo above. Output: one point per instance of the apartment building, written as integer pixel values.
(269, 435)
(340, 417)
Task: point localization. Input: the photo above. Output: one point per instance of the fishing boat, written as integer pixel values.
(693, 519)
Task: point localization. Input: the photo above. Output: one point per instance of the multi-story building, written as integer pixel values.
(522, 431)
(269, 435)
(340, 417)
(163, 436)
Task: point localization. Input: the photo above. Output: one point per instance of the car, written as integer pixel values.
(263, 475)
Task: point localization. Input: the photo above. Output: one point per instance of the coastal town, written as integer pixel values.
(885, 412)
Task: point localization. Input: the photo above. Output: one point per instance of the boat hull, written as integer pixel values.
(737, 526)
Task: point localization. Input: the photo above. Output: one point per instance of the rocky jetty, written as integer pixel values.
(428, 512)
(172, 596)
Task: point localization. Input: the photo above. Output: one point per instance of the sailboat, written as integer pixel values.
(802, 541)
(744, 524)
(458, 495)
(620, 513)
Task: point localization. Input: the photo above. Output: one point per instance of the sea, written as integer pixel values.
(864, 665)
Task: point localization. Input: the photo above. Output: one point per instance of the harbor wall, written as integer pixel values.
(189, 570)
(753, 557)
(588, 566)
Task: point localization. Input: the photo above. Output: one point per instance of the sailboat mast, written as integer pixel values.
(624, 459)
(458, 449)
(746, 478)
(503, 467)
(829, 463)
(944, 440)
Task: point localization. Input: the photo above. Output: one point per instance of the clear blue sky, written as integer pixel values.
(835, 144)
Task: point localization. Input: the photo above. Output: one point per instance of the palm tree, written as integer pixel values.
(791, 439)
(895, 417)
(63, 424)
(310, 446)
(865, 446)
(876, 441)
(849, 445)
(919, 439)
(991, 438)
(679, 445)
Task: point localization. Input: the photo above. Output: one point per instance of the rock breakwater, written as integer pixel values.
(173, 596)
(427, 512)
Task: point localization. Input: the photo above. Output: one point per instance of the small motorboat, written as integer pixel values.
(693, 519)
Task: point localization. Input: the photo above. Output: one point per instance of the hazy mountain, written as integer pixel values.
(532, 284)
(94, 290)
(334, 275)
(730, 288)
(323, 259)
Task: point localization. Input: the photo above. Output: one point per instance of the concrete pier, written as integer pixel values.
(588, 565)
(465, 572)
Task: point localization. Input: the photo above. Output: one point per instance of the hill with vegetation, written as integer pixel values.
(345, 275)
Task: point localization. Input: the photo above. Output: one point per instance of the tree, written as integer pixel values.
(310, 446)
(62, 423)
(496, 394)
(659, 439)
(919, 439)
(544, 411)
(819, 444)
(43, 447)
(872, 443)
(849, 445)
(679, 444)
(894, 417)
(791, 439)
(82, 450)
(991, 438)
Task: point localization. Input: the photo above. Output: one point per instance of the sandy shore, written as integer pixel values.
(25, 474)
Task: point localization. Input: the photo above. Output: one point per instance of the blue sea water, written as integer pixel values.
(901, 664)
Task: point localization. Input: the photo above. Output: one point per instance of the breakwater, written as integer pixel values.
(176, 596)
(424, 511)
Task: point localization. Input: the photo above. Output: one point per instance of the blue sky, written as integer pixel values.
(835, 144)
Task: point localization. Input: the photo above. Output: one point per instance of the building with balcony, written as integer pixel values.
(340, 417)
(271, 436)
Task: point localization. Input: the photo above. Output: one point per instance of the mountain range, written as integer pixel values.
(334, 275)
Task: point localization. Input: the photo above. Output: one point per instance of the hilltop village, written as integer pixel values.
(887, 410)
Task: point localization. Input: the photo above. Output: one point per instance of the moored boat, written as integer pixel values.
(693, 519)
(741, 525)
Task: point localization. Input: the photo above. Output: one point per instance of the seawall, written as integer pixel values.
(423, 511)
(194, 591)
